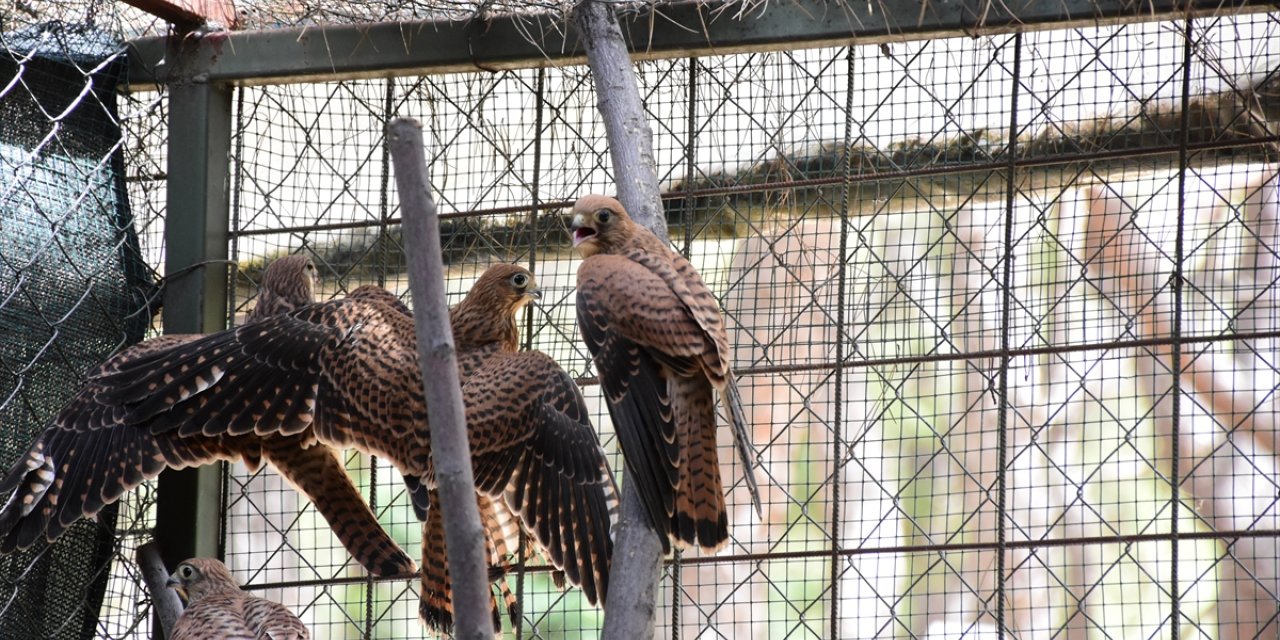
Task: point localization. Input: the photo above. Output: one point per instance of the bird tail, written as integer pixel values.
(435, 604)
(701, 517)
(502, 545)
(742, 440)
(317, 473)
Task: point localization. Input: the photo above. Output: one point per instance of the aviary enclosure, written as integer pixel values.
(1002, 282)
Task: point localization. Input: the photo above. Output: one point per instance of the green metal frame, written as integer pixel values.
(309, 54)
(188, 509)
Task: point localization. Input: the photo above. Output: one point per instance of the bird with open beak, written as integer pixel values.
(659, 345)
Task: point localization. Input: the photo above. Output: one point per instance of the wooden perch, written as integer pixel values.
(165, 600)
(450, 448)
(637, 556)
(188, 14)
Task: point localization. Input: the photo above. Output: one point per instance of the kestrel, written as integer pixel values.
(287, 283)
(532, 443)
(218, 610)
(334, 375)
(98, 454)
(659, 345)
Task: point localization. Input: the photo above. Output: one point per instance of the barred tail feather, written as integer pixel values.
(742, 441)
(701, 517)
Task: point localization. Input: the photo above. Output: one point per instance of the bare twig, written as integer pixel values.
(165, 600)
(637, 559)
(450, 450)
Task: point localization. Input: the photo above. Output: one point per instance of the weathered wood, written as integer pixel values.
(637, 556)
(165, 601)
(450, 450)
(190, 13)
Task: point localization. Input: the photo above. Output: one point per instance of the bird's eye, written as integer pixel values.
(603, 215)
(520, 280)
(186, 571)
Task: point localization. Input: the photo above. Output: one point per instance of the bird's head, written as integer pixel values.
(599, 224)
(507, 286)
(488, 313)
(198, 577)
(287, 284)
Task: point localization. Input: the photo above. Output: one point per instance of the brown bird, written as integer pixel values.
(659, 345)
(532, 444)
(218, 610)
(287, 283)
(341, 374)
(501, 531)
(98, 456)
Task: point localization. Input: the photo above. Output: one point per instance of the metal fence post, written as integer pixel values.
(195, 293)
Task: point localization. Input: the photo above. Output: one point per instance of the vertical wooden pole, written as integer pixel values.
(450, 448)
(164, 600)
(637, 556)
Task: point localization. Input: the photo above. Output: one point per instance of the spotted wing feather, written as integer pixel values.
(533, 443)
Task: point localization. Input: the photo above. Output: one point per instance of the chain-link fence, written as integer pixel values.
(1004, 312)
(73, 288)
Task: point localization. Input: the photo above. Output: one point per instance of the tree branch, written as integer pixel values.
(625, 124)
(450, 449)
(165, 600)
(637, 557)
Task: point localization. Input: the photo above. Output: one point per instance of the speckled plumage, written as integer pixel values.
(532, 443)
(502, 539)
(293, 387)
(99, 448)
(217, 609)
(287, 283)
(660, 349)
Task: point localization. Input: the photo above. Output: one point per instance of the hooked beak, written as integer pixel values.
(535, 293)
(581, 232)
(172, 582)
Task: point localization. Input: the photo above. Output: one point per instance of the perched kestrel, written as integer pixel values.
(291, 388)
(659, 345)
(287, 283)
(532, 441)
(98, 451)
(533, 449)
(218, 610)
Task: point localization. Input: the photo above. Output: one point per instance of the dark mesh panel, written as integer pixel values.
(73, 288)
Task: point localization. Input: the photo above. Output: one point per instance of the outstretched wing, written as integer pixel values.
(532, 442)
(69, 474)
(76, 467)
(343, 373)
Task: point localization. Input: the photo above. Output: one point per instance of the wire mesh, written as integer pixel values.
(1003, 311)
(74, 288)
